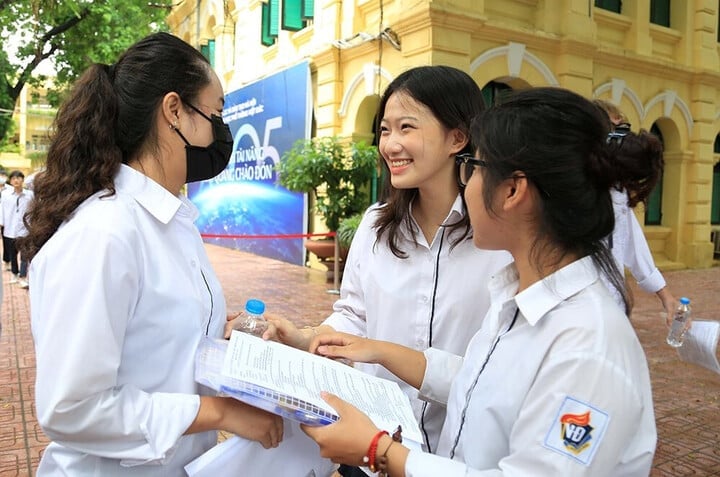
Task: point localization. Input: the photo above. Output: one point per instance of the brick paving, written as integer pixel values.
(687, 397)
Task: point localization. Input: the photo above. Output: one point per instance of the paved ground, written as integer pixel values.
(687, 397)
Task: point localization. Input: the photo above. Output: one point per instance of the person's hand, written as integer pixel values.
(343, 345)
(347, 440)
(669, 304)
(252, 423)
(285, 331)
(236, 322)
(233, 322)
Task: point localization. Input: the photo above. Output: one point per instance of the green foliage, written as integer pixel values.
(37, 159)
(7, 143)
(343, 168)
(73, 34)
(347, 228)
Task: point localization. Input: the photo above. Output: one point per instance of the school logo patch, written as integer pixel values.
(577, 430)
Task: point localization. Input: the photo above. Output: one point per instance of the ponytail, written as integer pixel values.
(639, 163)
(83, 157)
(109, 119)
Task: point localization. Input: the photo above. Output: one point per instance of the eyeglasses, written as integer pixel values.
(466, 166)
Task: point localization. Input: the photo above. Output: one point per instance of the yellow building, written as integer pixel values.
(657, 59)
(33, 118)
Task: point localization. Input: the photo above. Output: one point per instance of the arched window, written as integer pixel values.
(494, 91)
(653, 211)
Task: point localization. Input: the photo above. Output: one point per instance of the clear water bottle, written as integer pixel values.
(680, 318)
(254, 323)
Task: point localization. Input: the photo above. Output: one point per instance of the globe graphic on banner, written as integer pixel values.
(257, 212)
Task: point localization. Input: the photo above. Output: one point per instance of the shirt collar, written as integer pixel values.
(154, 198)
(457, 211)
(541, 297)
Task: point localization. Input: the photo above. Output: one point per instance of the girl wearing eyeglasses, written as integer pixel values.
(555, 382)
(406, 275)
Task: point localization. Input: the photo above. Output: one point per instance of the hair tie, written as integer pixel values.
(110, 70)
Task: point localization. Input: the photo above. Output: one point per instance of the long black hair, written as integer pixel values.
(560, 141)
(109, 119)
(454, 99)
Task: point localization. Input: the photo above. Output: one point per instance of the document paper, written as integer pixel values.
(296, 456)
(700, 345)
(303, 375)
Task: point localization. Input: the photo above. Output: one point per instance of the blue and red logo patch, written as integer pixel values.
(577, 430)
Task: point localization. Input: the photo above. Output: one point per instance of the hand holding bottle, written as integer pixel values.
(680, 323)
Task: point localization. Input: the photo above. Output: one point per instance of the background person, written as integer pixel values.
(405, 279)
(4, 186)
(14, 205)
(122, 289)
(627, 241)
(555, 382)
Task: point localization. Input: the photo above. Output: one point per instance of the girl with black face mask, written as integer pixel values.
(205, 162)
(119, 272)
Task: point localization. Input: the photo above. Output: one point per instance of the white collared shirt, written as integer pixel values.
(14, 205)
(387, 298)
(120, 297)
(630, 249)
(566, 391)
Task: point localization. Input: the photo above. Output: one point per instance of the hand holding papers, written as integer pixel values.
(700, 346)
(288, 382)
(296, 456)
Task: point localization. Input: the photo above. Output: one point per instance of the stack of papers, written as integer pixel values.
(288, 382)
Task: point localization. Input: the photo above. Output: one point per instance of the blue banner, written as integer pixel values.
(243, 208)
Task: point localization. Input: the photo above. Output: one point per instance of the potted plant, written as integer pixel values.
(336, 173)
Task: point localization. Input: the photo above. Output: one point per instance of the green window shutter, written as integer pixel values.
(660, 12)
(715, 205)
(308, 9)
(274, 14)
(208, 51)
(494, 92)
(267, 38)
(292, 15)
(611, 5)
(653, 211)
(211, 52)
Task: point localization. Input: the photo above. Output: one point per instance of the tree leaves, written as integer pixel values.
(73, 33)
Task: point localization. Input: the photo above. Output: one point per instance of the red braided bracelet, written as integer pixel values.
(369, 459)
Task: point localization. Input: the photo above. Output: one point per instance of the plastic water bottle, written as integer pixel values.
(254, 323)
(677, 330)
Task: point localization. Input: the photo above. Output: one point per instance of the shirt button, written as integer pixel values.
(192, 263)
(424, 299)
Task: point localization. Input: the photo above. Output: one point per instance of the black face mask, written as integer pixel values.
(206, 162)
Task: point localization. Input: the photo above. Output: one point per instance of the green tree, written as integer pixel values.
(73, 34)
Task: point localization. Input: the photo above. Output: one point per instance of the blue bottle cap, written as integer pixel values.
(254, 306)
(685, 301)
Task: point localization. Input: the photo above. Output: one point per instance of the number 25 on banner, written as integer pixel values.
(258, 153)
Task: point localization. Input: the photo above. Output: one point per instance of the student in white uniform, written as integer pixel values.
(121, 287)
(12, 212)
(406, 276)
(555, 382)
(627, 241)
